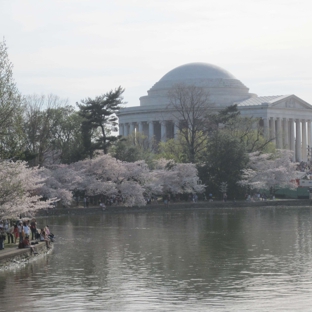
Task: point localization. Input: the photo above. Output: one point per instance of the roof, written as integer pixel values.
(197, 71)
(258, 100)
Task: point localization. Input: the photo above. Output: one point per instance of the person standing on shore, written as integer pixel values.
(44, 238)
(10, 232)
(20, 231)
(26, 229)
(33, 228)
(5, 225)
(16, 233)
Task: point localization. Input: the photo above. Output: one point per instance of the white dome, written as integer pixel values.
(223, 88)
(196, 71)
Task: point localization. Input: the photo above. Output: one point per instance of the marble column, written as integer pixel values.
(279, 133)
(266, 127)
(175, 128)
(126, 129)
(131, 127)
(285, 134)
(298, 140)
(121, 129)
(150, 129)
(140, 127)
(309, 140)
(163, 132)
(292, 137)
(272, 130)
(304, 140)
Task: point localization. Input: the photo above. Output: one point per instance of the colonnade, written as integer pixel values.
(161, 130)
(290, 133)
(286, 133)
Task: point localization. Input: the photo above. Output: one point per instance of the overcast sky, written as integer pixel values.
(83, 48)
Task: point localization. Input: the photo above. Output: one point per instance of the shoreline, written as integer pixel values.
(299, 203)
(11, 258)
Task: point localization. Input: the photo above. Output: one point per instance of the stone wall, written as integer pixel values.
(12, 257)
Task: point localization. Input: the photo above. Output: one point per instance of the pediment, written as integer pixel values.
(292, 102)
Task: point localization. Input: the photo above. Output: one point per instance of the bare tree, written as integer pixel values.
(10, 98)
(249, 131)
(11, 135)
(190, 107)
(41, 120)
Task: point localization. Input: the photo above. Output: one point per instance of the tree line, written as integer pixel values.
(223, 144)
(46, 133)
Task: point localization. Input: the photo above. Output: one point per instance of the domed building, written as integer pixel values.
(281, 116)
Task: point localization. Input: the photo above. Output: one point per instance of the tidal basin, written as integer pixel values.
(216, 259)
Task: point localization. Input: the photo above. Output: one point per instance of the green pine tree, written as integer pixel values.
(100, 120)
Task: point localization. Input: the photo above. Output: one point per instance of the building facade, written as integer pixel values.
(285, 118)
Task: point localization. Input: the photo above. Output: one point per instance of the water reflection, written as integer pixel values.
(225, 259)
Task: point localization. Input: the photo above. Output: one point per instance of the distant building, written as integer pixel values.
(286, 118)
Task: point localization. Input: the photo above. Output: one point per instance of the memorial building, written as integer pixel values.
(285, 118)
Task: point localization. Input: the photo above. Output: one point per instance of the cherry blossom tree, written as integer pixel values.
(105, 175)
(19, 189)
(177, 178)
(270, 171)
(59, 181)
(133, 181)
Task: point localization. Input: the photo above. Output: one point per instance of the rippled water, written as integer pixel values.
(248, 259)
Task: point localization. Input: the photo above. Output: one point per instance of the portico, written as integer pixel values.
(299, 141)
(286, 121)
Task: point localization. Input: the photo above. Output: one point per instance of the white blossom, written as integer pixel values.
(270, 170)
(19, 189)
(177, 178)
(105, 175)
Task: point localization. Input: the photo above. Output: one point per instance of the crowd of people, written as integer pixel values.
(257, 197)
(25, 233)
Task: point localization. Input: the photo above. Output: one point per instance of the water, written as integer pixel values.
(244, 259)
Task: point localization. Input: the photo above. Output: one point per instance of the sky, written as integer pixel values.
(83, 48)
